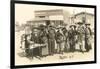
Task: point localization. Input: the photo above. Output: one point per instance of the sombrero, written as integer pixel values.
(80, 23)
(87, 24)
(73, 26)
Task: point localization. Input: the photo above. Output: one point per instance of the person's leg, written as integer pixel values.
(80, 46)
(83, 45)
(32, 53)
(53, 46)
(65, 49)
(71, 45)
(88, 45)
(62, 47)
(74, 44)
(68, 46)
(58, 48)
(49, 46)
(27, 52)
(89, 42)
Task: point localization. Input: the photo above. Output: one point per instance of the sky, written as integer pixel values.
(25, 12)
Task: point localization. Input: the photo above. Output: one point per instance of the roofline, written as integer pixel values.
(48, 10)
(83, 13)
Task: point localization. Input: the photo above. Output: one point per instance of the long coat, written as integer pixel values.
(44, 40)
(81, 38)
(81, 33)
(51, 41)
(72, 40)
(60, 41)
(36, 39)
(88, 34)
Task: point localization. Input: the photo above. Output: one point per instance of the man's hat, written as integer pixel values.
(80, 23)
(72, 26)
(50, 26)
(63, 28)
(41, 27)
(59, 27)
(35, 28)
(87, 24)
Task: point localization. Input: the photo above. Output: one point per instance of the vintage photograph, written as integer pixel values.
(46, 34)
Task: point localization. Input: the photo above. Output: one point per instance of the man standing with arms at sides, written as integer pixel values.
(72, 39)
(51, 39)
(88, 35)
(81, 36)
(60, 41)
(65, 33)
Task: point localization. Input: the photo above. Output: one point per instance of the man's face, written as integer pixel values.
(71, 28)
(35, 31)
(87, 26)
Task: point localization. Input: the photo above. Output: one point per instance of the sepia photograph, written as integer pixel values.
(53, 34)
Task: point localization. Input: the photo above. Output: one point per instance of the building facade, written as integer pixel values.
(54, 17)
(85, 18)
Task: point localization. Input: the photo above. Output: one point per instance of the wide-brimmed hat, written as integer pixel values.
(87, 24)
(64, 28)
(41, 27)
(50, 26)
(59, 27)
(73, 26)
(35, 29)
(79, 23)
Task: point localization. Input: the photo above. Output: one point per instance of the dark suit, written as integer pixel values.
(88, 34)
(51, 41)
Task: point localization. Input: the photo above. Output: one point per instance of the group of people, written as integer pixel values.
(50, 40)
